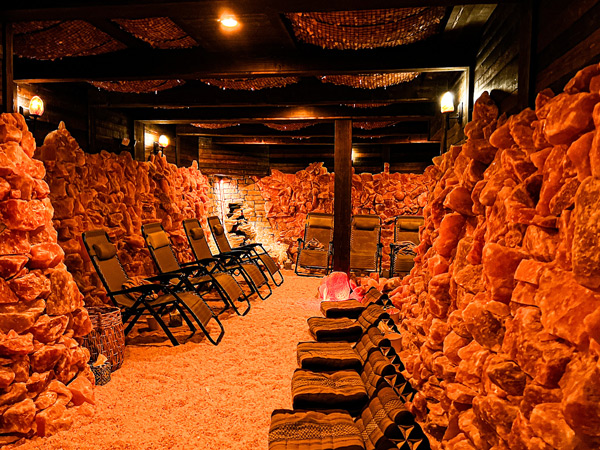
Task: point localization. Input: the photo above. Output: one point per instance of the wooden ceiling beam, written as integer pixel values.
(433, 55)
(66, 10)
(311, 141)
(405, 111)
(309, 91)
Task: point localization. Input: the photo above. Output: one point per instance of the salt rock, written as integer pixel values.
(456, 322)
(81, 323)
(569, 116)
(506, 374)
(18, 418)
(14, 242)
(82, 390)
(494, 184)
(564, 304)
(496, 412)
(521, 130)
(484, 108)
(24, 215)
(10, 265)
(52, 420)
(443, 368)
(478, 432)
(579, 154)
(44, 256)
(483, 326)
(14, 161)
(470, 278)
(581, 81)
(516, 163)
(459, 442)
(459, 200)
(534, 394)
(20, 316)
(64, 295)
(586, 238)
(522, 436)
(501, 138)
(452, 344)
(581, 390)
(470, 369)
(449, 232)
(529, 271)
(500, 275)
(552, 173)
(479, 150)
(547, 421)
(541, 243)
(48, 329)
(6, 293)
(37, 382)
(46, 357)
(542, 103)
(7, 376)
(15, 393)
(30, 286)
(460, 393)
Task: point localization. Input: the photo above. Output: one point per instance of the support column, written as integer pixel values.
(9, 91)
(342, 205)
(527, 47)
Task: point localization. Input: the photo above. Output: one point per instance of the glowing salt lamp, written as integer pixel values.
(336, 286)
(163, 141)
(36, 106)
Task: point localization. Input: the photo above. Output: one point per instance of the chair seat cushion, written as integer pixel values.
(343, 389)
(313, 430)
(342, 329)
(344, 308)
(322, 356)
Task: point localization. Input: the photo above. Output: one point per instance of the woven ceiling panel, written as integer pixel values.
(289, 126)
(370, 81)
(159, 32)
(251, 84)
(214, 126)
(138, 86)
(374, 125)
(356, 30)
(48, 40)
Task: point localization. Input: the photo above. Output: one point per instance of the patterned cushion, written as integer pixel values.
(343, 329)
(344, 308)
(328, 356)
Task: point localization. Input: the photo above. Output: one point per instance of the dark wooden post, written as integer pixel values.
(138, 135)
(8, 86)
(342, 204)
(527, 48)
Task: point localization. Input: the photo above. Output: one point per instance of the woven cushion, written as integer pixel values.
(327, 356)
(344, 308)
(158, 239)
(105, 251)
(343, 329)
(343, 389)
(409, 225)
(218, 229)
(197, 233)
(320, 222)
(313, 430)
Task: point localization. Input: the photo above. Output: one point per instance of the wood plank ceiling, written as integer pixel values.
(195, 48)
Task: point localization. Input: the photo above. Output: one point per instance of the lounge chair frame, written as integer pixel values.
(316, 221)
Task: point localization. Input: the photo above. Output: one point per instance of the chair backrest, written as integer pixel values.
(406, 228)
(197, 239)
(103, 255)
(159, 245)
(218, 232)
(319, 226)
(365, 233)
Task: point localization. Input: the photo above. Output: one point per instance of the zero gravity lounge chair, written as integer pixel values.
(365, 245)
(155, 296)
(196, 275)
(402, 250)
(232, 262)
(314, 251)
(255, 252)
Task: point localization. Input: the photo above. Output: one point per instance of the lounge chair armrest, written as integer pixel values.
(141, 288)
(167, 277)
(207, 261)
(250, 246)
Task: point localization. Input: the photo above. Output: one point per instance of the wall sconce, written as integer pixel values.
(161, 144)
(447, 107)
(36, 109)
(229, 21)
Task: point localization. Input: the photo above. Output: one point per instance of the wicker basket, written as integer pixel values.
(107, 335)
(102, 373)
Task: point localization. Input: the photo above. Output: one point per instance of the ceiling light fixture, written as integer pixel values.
(229, 21)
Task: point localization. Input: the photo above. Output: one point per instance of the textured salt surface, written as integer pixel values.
(197, 396)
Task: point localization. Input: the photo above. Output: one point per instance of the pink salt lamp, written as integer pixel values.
(336, 286)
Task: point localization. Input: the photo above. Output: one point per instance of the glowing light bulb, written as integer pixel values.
(163, 141)
(229, 21)
(447, 103)
(36, 106)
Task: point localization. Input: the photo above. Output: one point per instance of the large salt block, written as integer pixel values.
(64, 295)
(529, 271)
(22, 215)
(565, 197)
(7, 376)
(541, 243)
(483, 326)
(477, 431)
(459, 200)
(548, 422)
(52, 420)
(579, 154)
(501, 138)
(20, 316)
(480, 150)
(46, 357)
(506, 374)
(581, 81)
(449, 233)
(452, 344)
(499, 266)
(564, 305)
(521, 130)
(485, 108)
(10, 265)
(522, 436)
(82, 390)
(30, 286)
(44, 256)
(18, 418)
(569, 116)
(553, 174)
(535, 393)
(48, 329)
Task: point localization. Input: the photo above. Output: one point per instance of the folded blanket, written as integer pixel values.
(328, 356)
(292, 430)
(342, 329)
(345, 308)
(343, 389)
(406, 248)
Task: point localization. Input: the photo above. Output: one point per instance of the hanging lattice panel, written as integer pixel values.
(288, 126)
(137, 87)
(370, 81)
(214, 126)
(356, 30)
(48, 40)
(251, 84)
(159, 32)
(374, 125)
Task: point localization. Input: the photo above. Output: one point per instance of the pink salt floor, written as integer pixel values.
(197, 396)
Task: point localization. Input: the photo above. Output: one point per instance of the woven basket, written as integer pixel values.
(102, 373)
(107, 335)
